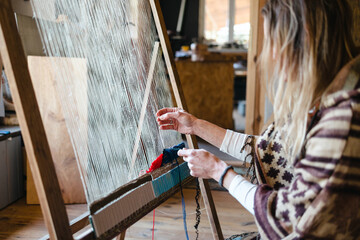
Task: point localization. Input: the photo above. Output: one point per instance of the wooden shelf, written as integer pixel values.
(14, 131)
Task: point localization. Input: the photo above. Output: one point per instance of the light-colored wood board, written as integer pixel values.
(209, 89)
(21, 221)
(29, 35)
(113, 214)
(255, 90)
(32, 128)
(31, 194)
(44, 80)
(121, 236)
(149, 81)
(22, 7)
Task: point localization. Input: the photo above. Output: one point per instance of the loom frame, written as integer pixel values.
(37, 145)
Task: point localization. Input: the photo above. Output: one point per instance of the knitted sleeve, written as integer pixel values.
(323, 181)
(234, 144)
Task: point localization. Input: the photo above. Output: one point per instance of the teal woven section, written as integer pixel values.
(170, 179)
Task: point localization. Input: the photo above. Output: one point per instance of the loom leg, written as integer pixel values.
(32, 128)
(210, 208)
(180, 101)
(121, 236)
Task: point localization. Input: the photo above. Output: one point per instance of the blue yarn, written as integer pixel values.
(183, 205)
(170, 154)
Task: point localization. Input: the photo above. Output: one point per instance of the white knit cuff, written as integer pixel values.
(243, 191)
(233, 143)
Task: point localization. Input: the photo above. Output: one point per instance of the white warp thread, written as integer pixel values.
(101, 51)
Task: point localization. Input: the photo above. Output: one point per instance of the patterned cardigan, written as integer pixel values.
(317, 197)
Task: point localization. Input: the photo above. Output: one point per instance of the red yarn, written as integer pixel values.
(153, 229)
(156, 163)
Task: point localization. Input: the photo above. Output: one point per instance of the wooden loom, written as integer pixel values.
(38, 149)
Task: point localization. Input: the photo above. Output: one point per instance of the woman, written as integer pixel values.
(307, 163)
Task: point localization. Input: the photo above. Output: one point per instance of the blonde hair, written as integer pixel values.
(306, 43)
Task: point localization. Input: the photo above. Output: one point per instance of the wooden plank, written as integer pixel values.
(255, 91)
(31, 194)
(80, 222)
(32, 128)
(201, 28)
(87, 235)
(98, 204)
(30, 36)
(136, 216)
(180, 100)
(76, 225)
(113, 214)
(22, 7)
(149, 81)
(167, 52)
(121, 236)
(43, 78)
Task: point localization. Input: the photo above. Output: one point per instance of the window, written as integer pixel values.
(226, 21)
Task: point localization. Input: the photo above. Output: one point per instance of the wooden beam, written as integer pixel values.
(121, 236)
(180, 101)
(255, 90)
(76, 225)
(32, 128)
(149, 82)
(136, 216)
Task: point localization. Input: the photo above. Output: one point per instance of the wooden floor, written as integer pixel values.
(21, 221)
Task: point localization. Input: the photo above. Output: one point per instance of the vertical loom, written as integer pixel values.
(154, 188)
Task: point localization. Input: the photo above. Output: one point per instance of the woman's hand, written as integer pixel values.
(176, 119)
(203, 164)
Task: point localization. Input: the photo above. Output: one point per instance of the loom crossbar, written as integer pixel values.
(107, 219)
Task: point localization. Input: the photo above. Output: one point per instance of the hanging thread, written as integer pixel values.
(183, 204)
(198, 211)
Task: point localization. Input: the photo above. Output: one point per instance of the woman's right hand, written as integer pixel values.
(176, 119)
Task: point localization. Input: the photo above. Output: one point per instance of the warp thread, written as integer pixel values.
(183, 204)
(101, 53)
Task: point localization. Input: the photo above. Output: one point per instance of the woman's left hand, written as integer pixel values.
(203, 164)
